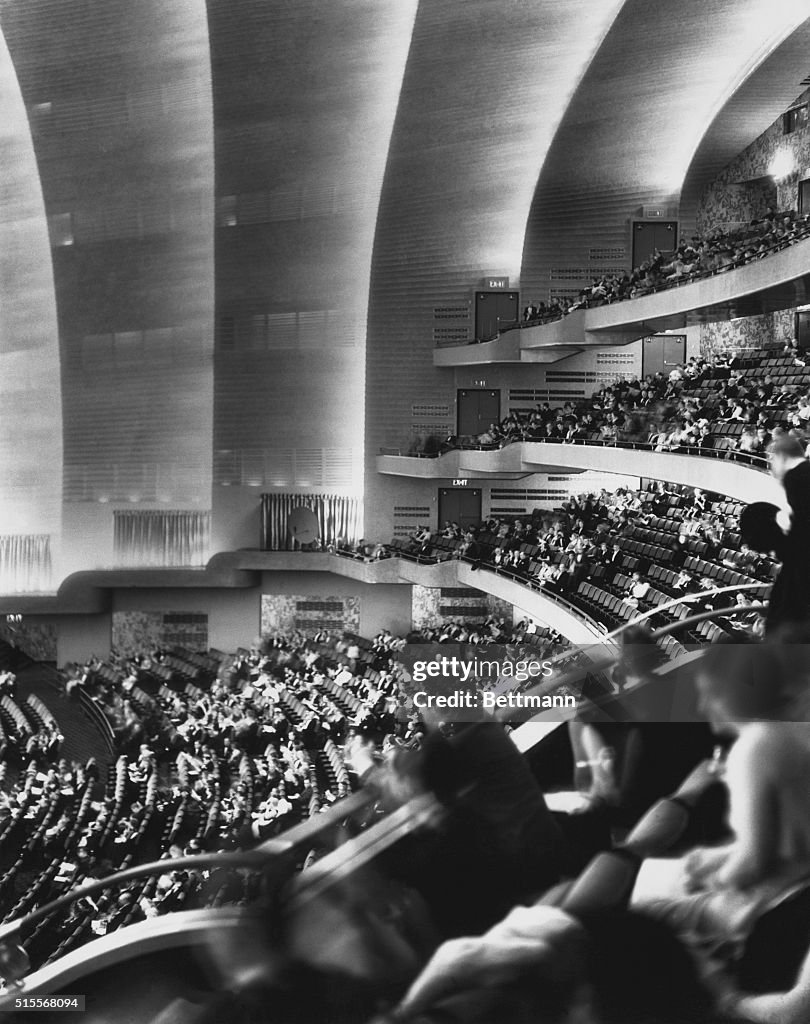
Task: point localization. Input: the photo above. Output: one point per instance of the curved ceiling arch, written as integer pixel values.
(484, 88)
(30, 390)
(630, 133)
(767, 91)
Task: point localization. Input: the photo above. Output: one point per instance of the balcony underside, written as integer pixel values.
(92, 592)
(738, 481)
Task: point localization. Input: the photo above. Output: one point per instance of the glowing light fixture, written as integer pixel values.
(782, 165)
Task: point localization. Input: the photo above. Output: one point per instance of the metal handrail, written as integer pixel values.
(277, 852)
(548, 686)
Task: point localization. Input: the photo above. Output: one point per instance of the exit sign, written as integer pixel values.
(496, 284)
(459, 483)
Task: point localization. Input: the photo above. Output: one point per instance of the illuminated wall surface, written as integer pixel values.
(288, 613)
(660, 85)
(30, 394)
(305, 98)
(119, 103)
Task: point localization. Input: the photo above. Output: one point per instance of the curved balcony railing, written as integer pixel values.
(741, 476)
(727, 455)
(778, 278)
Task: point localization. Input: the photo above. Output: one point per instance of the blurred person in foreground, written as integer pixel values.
(715, 897)
(790, 597)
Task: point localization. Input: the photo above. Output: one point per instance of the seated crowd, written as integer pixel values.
(727, 404)
(698, 257)
(214, 753)
(283, 722)
(613, 555)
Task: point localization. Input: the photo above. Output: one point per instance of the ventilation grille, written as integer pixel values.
(450, 335)
(408, 517)
(451, 313)
(617, 252)
(577, 273)
(519, 501)
(430, 411)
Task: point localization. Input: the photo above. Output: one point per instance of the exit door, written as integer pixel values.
(477, 408)
(460, 505)
(649, 235)
(494, 311)
(662, 353)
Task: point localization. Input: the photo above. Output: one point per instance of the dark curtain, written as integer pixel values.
(339, 518)
(25, 563)
(158, 538)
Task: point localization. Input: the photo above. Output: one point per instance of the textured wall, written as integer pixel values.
(484, 89)
(738, 193)
(119, 101)
(741, 192)
(309, 613)
(36, 638)
(305, 98)
(434, 605)
(30, 398)
(747, 333)
(138, 632)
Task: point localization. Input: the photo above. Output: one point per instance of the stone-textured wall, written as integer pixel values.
(435, 605)
(285, 613)
(742, 191)
(138, 632)
(747, 333)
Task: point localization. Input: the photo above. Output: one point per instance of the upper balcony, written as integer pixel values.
(731, 473)
(780, 280)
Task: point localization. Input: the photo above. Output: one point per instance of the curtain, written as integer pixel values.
(161, 538)
(25, 563)
(338, 517)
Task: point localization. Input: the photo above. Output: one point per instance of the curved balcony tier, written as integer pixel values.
(778, 281)
(732, 476)
(88, 592)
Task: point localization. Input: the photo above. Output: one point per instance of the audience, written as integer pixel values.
(710, 405)
(693, 259)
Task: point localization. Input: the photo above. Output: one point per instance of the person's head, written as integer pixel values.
(784, 452)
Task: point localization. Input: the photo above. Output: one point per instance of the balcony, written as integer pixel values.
(88, 592)
(742, 480)
(780, 280)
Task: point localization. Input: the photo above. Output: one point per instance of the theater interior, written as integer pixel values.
(405, 511)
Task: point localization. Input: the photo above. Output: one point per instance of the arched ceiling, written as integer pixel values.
(30, 393)
(631, 132)
(773, 85)
(484, 90)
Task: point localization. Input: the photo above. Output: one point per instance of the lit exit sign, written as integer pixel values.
(459, 483)
(496, 284)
